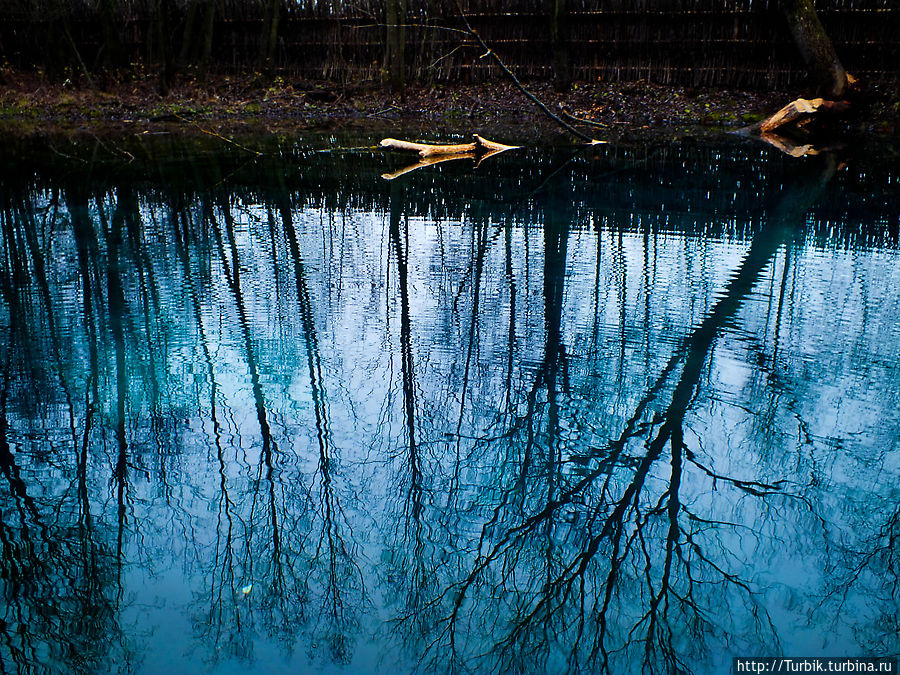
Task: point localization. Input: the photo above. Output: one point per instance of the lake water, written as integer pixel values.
(631, 408)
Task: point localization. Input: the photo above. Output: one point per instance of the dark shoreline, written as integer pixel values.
(235, 103)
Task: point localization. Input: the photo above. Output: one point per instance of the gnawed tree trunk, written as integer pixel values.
(824, 67)
(816, 48)
(796, 112)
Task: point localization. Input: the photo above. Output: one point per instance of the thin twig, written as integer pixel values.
(81, 63)
(67, 156)
(534, 99)
(358, 148)
(219, 136)
(488, 52)
(115, 149)
(581, 120)
(410, 25)
(447, 55)
(382, 112)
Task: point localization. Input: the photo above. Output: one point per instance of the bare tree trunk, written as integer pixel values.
(196, 40)
(185, 55)
(562, 78)
(209, 22)
(815, 47)
(427, 45)
(110, 54)
(269, 38)
(165, 17)
(75, 52)
(396, 43)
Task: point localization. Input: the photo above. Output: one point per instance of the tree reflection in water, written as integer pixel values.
(606, 426)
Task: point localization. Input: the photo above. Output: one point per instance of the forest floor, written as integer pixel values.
(231, 103)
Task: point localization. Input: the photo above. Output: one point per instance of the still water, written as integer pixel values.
(625, 409)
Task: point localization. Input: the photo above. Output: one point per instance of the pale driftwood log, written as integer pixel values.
(797, 111)
(426, 150)
(479, 145)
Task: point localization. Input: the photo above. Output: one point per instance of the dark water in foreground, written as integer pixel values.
(625, 410)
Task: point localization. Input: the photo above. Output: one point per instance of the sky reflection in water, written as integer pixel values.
(628, 410)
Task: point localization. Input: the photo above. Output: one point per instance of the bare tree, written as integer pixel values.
(269, 38)
(816, 48)
(395, 54)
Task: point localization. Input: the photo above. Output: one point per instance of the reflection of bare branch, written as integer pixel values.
(431, 160)
(410, 565)
(57, 567)
(619, 527)
(427, 161)
(880, 558)
(334, 554)
(116, 309)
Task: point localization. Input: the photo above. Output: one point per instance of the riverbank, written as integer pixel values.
(234, 101)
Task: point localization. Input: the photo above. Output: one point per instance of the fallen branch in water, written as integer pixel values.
(478, 146)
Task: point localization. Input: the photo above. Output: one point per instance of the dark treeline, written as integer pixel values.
(742, 43)
(254, 9)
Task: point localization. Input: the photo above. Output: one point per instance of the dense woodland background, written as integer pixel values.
(725, 43)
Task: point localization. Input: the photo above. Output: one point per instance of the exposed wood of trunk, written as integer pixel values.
(797, 111)
(479, 145)
(816, 48)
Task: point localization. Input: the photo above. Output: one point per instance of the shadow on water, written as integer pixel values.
(627, 410)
